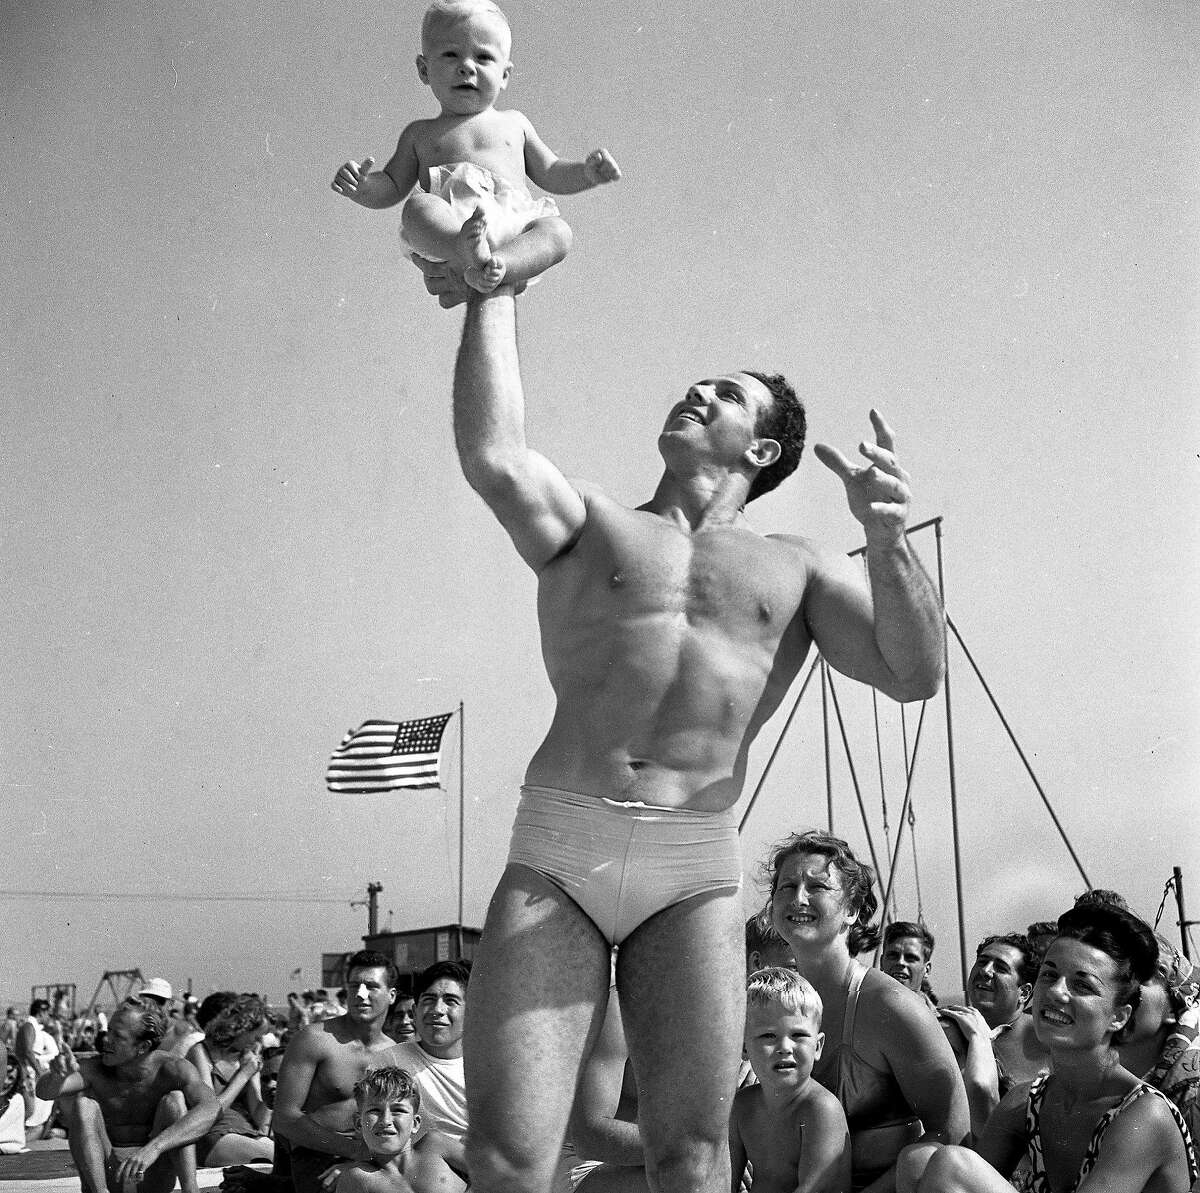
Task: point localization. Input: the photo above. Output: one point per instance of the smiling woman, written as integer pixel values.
(1089, 1122)
(885, 1058)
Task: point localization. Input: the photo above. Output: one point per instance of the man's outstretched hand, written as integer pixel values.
(878, 492)
(445, 282)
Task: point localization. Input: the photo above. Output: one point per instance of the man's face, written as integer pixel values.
(121, 1044)
(368, 995)
(718, 417)
(403, 1023)
(994, 986)
(904, 959)
(441, 1018)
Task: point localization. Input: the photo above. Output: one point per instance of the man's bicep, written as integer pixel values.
(840, 616)
(541, 510)
(295, 1079)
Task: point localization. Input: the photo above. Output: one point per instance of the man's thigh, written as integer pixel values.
(682, 984)
(539, 984)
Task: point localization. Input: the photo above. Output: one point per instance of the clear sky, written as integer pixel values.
(233, 522)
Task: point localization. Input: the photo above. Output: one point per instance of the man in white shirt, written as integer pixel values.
(435, 1057)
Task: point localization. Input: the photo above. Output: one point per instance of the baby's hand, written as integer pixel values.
(351, 176)
(600, 167)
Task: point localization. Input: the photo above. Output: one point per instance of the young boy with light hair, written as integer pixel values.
(790, 1130)
(388, 1112)
(470, 162)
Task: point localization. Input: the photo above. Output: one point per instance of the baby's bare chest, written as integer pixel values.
(496, 145)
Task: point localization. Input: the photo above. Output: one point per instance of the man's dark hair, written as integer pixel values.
(454, 971)
(371, 959)
(1099, 897)
(898, 929)
(1027, 973)
(38, 1005)
(786, 423)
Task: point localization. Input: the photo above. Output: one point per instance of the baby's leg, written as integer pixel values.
(432, 228)
(543, 244)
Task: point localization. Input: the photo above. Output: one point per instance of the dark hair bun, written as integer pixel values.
(1121, 935)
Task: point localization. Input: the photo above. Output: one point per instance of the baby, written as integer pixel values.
(472, 161)
(388, 1104)
(790, 1129)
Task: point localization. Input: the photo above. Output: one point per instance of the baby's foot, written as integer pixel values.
(474, 250)
(487, 277)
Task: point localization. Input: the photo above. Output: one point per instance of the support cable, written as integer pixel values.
(862, 808)
(1021, 754)
(779, 742)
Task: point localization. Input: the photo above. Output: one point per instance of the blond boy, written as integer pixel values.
(790, 1130)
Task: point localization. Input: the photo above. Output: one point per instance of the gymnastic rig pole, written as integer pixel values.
(462, 816)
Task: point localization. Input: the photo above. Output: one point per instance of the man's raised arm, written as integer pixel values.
(892, 636)
(541, 511)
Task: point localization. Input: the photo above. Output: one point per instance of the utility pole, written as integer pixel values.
(371, 903)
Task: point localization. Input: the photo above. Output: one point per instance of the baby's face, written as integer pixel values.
(386, 1125)
(465, 62)
(782, 1045)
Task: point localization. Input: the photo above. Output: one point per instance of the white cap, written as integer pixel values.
(157, 988)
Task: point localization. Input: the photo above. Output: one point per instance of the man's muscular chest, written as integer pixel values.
(640, 565)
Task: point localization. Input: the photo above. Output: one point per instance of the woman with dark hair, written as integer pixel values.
(884, 1057)
(229, 1059)
(1089, 1124)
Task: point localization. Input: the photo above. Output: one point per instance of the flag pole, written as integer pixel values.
(462, 809)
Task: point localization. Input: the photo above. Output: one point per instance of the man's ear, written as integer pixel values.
(1025, 991)
(764, 452)
(422, 69)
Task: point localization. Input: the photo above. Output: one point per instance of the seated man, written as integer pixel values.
(907, 954)
(314, 1101)
(992, 1037)
(138, 1110)
(435, 1057)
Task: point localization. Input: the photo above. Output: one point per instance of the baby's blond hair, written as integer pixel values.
(447, 12)
(785, 987)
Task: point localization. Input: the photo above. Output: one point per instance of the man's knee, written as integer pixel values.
(509, 1166)
(171, 1108)
(696, 1159)
(948, 1170)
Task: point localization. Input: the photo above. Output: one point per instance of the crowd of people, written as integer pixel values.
(1070, 1062)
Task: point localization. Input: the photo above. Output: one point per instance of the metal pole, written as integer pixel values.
(825, 734)
(462, 817)
(958, 880)
(373, 889)
(1183, 920)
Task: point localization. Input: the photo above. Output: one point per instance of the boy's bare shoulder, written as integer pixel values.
(818, 1107)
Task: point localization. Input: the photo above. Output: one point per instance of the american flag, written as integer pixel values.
(383, 756)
